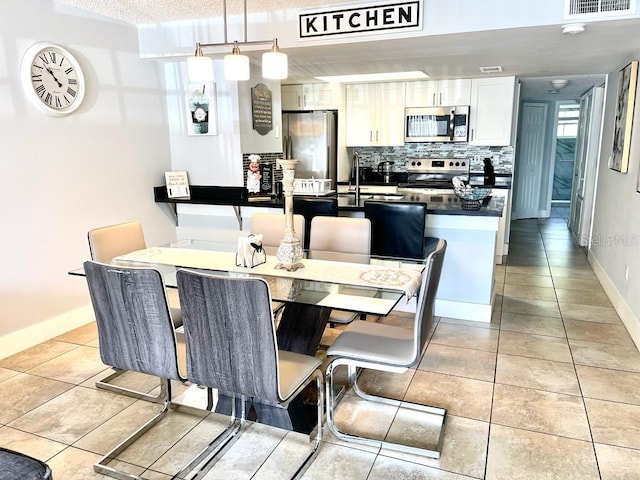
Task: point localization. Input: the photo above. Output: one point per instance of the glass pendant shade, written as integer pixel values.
(236, 67)
(200, 69)
(275, 65)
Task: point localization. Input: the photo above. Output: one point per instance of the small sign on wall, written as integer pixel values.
(262, 109)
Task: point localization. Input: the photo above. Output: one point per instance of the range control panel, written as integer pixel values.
(437, 165)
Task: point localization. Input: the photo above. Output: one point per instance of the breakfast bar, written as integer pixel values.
(467, 284)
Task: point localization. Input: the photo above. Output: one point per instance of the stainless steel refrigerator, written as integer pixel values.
(310, 138)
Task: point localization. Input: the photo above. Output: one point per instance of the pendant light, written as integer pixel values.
(236, 65)
(275, 63)
(199, 67)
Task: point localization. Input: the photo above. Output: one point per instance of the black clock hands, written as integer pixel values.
(54, 77)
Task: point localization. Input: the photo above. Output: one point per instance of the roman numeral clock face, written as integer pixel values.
(52, 79)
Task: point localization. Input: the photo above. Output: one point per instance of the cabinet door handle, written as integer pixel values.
(472, 134)
(304, 100)
(433, 102)
(440, 98)
(377, 135)
(370, 135)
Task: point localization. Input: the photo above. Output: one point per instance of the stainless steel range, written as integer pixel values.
(435, 173)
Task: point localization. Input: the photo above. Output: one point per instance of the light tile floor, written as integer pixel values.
(550, 389)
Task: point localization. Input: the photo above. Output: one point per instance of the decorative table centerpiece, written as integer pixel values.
(289, 254)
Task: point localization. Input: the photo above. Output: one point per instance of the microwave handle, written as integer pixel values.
(452, 124)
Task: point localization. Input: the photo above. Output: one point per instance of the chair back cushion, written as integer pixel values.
(135, 329)
(341, 234)
(18, 466)
(310, 207)
(397, 228)
(230, 334)
(108, 242)
(271, 226)
(427, 296)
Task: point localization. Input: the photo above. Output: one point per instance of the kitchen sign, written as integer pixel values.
(261, 109)
(361, 20)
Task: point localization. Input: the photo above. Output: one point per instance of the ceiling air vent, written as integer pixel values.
(494, 69)
(598, 8)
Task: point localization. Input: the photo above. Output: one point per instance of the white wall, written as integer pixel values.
(616, 222)
(64, 176)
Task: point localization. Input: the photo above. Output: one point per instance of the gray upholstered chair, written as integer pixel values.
(106, 243)
(232, 346)
(349, 235)
(389, 348)
(135, 333)
(18, 466)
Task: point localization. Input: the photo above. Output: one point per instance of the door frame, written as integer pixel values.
(552, 158)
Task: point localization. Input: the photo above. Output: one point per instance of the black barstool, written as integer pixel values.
(398, 229)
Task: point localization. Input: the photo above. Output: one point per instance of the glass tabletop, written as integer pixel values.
(338, 290)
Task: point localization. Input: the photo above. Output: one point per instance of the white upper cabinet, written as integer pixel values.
(437, 93)
(492, 102)
(375, 114)
(311, 96)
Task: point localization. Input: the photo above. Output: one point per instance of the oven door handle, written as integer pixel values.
(452, 123)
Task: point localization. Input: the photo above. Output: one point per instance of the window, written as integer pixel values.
(568, 116)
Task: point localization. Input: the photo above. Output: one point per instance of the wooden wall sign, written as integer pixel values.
(261, 109)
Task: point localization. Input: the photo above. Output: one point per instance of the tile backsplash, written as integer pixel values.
(502, 157)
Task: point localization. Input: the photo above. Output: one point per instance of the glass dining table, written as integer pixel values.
(328, 280)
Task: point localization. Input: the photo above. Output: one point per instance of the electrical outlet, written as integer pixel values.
(626, 273)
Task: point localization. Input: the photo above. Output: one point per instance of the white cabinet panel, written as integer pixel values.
(439, 93)
(311, 96)
(492, 102)
(375, 114)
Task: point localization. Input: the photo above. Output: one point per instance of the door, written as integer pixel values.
(586, 165)
(526, 201)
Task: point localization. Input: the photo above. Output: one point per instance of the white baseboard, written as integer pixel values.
(32, 335)
(629, 319)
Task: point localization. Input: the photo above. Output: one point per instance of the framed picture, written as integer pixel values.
(200, 100)
(625, 105)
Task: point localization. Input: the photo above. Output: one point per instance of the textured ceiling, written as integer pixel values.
(535, 54)
(155, 11)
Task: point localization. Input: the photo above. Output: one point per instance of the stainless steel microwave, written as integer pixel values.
(436, 124)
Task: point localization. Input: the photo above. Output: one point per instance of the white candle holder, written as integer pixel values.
(290, 251)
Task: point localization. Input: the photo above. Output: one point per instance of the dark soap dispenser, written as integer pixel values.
(489, 174)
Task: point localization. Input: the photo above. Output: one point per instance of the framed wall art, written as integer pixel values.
(202, 118)
(626, 99)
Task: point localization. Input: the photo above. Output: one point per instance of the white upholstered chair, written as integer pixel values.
(341, 235)
(271, 226)
(388, 348)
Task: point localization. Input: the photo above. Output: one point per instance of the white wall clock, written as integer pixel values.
(52, 79)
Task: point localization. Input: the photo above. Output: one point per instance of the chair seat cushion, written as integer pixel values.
(15, 465)
(295, 368)
(375, 342)
(342, 316)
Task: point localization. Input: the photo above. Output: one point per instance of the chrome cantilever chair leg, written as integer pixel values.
(104, 384)
(348, 437)
(102, 465)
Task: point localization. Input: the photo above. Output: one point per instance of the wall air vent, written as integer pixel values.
(494, 69)
(598, 8)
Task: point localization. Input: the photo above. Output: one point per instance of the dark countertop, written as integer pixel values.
(503, 181)
(445, 204)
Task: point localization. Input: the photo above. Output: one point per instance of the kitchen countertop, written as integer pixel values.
(438, 204)
(441, 204)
